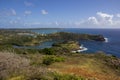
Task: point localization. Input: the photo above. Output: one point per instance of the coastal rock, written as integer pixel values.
(75, 36)
(99, 38)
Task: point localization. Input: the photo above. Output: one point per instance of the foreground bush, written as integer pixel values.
(41, 73)
(52, 59)
(11, 65)
(67, 77)
(48, 51)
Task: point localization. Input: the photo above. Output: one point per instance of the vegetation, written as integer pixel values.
(20, 38)
(16, 67)
(55, 63)
(27, 38)
(11, 64)
(52, 59)
(63, 67)
(48, 51)
(69, 45)
(74, 36)
(67, 77)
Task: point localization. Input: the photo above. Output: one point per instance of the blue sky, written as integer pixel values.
(60, 13)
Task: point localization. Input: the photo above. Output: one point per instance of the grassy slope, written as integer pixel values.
(86, 65)
(91, 66)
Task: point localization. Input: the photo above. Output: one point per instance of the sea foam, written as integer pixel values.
(82, 48)
(106, 39)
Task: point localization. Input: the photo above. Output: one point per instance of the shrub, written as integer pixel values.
(38, 73)
(67, 77)
(48, 51)
(11, 64)
(51, 59)
(17, 78)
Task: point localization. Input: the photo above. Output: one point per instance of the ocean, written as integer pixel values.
(111, 46)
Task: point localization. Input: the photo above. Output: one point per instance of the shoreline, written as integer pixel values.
(82, 48)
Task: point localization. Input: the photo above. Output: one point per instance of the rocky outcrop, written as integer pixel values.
(98, 37)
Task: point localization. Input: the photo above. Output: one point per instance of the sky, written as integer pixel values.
(59, 13)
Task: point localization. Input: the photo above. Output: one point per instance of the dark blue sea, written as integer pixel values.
(112, 46)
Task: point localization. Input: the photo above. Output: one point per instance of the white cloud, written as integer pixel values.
(44, 12)
(33, 23)
(57, 23)
(28, 3)
(105, 18)
(92, 20)
(13, 22)
(104, 15)
(100, 20)
(8, 12)
(27, 13)
(118, 15)
(42, 24)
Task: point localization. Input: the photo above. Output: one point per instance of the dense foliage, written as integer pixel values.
(75, 36)
(52, 59)
(48, 51)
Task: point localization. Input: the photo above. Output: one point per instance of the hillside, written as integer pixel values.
(55, 63)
